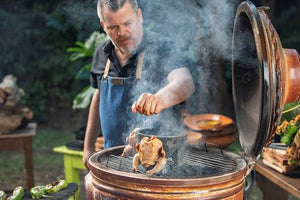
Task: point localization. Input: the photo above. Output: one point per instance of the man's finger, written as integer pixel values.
(140, 103)
(153, 107)
(148, 104)
(134, 107)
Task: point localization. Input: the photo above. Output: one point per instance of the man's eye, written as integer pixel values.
(111, 27)
(128, 23)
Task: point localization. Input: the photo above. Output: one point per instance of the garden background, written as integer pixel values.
(35, 36)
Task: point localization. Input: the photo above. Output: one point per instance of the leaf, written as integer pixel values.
(82, 51)
(286, 139)
(290, 111)
(78, 43)
(83, 99)
(85, 69)
(76, 49)
(291, 161)
(74, 57)
(292, 130)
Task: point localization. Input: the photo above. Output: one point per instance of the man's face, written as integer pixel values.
(124, 27)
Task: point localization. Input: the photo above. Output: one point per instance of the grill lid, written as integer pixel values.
(261, 81)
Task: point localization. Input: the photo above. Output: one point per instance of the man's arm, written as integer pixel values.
(180, 87)
(93, 128)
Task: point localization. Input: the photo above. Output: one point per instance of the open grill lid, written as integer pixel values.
(263, 77)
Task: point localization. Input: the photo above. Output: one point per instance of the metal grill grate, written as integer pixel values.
(196, 162)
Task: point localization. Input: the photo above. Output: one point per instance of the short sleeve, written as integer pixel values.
(98, 65)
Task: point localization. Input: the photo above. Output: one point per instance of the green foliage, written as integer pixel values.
(288, 136)
(290, 111)
(290, 124)
(85, 51)
(34, 38)
(83, 99)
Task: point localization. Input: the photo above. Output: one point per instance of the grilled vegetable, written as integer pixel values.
(2, 195)
(38, 192)
(56, 186)
(18, 194)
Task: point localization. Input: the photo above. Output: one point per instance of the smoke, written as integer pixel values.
(202, 31)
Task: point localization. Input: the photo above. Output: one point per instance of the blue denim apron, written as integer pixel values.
(115, 104)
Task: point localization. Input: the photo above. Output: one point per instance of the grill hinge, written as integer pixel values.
(250, 162)
(251, 165)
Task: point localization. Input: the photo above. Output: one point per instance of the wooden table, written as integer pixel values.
(275, 185)
(21, 140)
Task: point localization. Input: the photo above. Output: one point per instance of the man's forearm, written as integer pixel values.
(180, 88)
(93, 126)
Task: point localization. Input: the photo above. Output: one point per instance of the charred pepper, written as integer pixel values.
(2, 195)
(18, 194)
(38, 192)
(56, 186)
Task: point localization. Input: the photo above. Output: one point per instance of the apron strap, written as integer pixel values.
(139, 68)
(106, 70)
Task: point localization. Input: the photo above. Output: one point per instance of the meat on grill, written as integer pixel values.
(130, 140)
(150, 152)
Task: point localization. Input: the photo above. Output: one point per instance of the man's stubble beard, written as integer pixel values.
(129, 50)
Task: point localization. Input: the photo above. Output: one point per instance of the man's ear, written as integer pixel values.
(140, 14)
(102, 24)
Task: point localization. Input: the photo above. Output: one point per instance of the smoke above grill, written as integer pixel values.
(202, 31)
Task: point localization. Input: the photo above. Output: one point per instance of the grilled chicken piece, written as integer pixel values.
(130, 140)
(150, 152)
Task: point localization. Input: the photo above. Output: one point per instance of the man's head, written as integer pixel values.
(122, 21)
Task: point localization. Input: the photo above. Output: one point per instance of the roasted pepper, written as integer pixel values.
(38, 192)
(56, 186)
(2, 195)
(18, 194)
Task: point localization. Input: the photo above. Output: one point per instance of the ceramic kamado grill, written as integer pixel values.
(265, 76)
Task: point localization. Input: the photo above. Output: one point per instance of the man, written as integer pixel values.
(133, 60)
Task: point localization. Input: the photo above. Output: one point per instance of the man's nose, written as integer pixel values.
(122, 30)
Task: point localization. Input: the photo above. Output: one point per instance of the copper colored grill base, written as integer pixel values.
(110, 183)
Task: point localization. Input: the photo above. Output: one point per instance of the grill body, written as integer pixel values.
(111, 182)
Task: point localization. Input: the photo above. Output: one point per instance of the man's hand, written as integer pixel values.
(148, 104)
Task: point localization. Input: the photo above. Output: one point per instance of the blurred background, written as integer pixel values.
(48, 46)
(36, 34)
